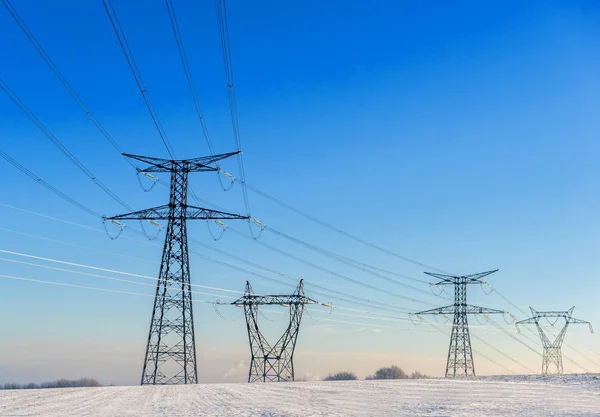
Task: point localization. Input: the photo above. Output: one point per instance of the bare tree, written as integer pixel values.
(389, 372)
(341, 376)
(60, 383)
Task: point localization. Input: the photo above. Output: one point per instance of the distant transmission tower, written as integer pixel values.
(552, 358)
(272, 363)
(171, 349)
(460, 356)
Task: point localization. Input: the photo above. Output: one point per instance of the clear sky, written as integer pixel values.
(461, 135)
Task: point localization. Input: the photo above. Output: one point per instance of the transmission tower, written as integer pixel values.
(171, 349)
(272, 363)
(460, 356)
(552, 358)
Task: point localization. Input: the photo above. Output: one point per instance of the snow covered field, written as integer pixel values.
(485, 397)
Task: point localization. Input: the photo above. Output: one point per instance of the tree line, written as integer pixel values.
(59, 383)
(387, 372)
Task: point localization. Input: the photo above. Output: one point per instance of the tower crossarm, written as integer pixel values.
(531, 320)
(201, 164)
(573, 320)
(552, 356)
(273, 300)
(171, 346)
(164, 213)
(460, 355)
(439, 310)
(272, 363)
(483, 310)
(466, 279)
(469, 309)
(541, 314)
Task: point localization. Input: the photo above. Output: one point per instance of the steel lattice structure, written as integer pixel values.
(460, 355)
(171, 348)
(272, 363)
(552, 358)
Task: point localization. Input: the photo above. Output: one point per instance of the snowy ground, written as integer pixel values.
(486, 397)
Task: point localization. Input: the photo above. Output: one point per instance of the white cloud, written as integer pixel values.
(235, 369)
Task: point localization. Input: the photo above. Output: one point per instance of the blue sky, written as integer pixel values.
(464, 136)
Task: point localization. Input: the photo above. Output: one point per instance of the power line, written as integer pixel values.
(580, 354)
(435, 326)
(380, 316)
(127, 281)
(227, 58)
(355, 264)
(116, 25)
(25, 29)
(188, 73)
(12, 277)
(503, 354)
(120, 34)
(354, 299)
(63, 284)
(347, 296)
(339, 295)
(318, 319)
(51, 217)
(260, 275)
(48, 186)
(108, 253)
(339, 257)
(11, 95)
(380, 306)
(364, 266)
(330, 272)
(370, 269)
(226, 52)
(397, 318)
(493, 288)
(95, 268)
(512, 336)
(340, 231)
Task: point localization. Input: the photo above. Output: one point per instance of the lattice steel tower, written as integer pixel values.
(460, 355)
(272, 363)
(171, 349)
(552, 358)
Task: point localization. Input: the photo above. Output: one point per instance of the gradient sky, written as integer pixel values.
(462, 135)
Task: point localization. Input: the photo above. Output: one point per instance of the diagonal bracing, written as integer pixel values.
(171, 348)
(552, 358)
(272, 363)
(460, 354)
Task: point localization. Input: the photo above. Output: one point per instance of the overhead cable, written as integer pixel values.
(226, 52)
(118, 29)
(340, 231)
(333, 273)
(48, 186)
(25, 29)
(10, 94)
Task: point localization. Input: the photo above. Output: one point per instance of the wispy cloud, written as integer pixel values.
(235, 368)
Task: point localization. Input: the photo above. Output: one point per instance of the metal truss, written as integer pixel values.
(171, 348)
(552, 358)
(272, 363)
(460, 355)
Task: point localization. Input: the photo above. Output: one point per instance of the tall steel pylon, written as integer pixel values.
(171, 348)
(460, 355)
(552, 358)
(272, 363)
